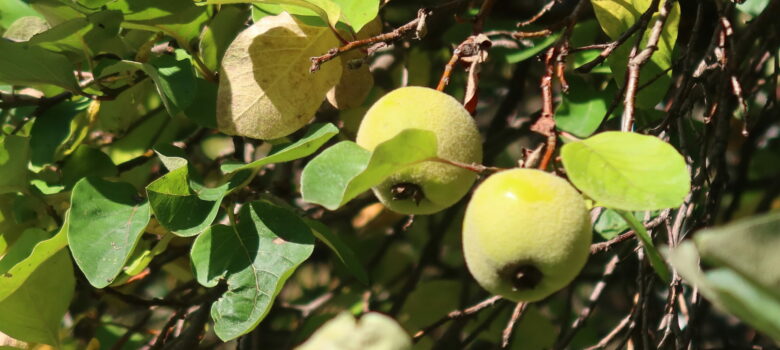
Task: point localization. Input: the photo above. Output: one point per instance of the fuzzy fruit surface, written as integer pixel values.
(457, 140)
(526, 234)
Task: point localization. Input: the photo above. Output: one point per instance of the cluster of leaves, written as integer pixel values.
(125, 207)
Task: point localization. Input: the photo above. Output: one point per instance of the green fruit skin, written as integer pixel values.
(457, 140)
(526, 216)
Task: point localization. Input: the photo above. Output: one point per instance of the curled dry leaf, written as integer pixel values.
(265, 88)
(356, 79)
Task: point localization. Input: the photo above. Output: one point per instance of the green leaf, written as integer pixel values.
(132, 104)
(748, 246)
(87, 161)
(24, 64)
(255, 257)
(14, 155)
(180, 209)
(615, 17)
(656, 261)
(220, 32)
(729, 291)
(343, 252)
(156, 128)
(373, 331)
(203, 109)
(75, 37)
(27, 254)
(315, 137)
(358, 13)
(753, 7)
(21, 249)
(51, 131)
(345, 170)
(537, 46)
(34, 311)
(627, 171)
(181, 19)
(106, 221)
(609, 224)
(327, 10)
(173, 77)
(582, 109)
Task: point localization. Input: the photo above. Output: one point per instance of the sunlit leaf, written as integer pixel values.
(615, 17)
(627, 171)
(266, 90)
(345, 170)
(22, 259)
(33, 313)
(315, 137)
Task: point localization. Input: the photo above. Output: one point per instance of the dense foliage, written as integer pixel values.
(190, 174)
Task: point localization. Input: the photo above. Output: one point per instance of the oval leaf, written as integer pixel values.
(255, 257)
(627, 171)
(345, 170)
(106, 221)
(266, 90)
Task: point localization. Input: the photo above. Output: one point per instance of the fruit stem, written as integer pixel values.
(655, 258)
(476, 168)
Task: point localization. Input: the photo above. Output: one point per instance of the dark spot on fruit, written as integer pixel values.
(523, 276)
(407, 190)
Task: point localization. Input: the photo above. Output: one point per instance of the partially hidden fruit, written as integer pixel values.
(265, 88)
(429, 186)
(373, 331)
(526, 234)
(356, 79)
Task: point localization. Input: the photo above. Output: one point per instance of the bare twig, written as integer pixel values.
(609, 270)
(413, 26)
(506, 335)
(546, 8)
(456, 315)
(637, 59)
(640, 24)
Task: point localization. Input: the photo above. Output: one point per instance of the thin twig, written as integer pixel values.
(609, 270)
(506, 335)
(394, 35)
(546, 8)
(640, 24)
(456, 315)
(638, 59)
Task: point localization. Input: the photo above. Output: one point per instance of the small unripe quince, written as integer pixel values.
(526, 234)
(429, 186)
